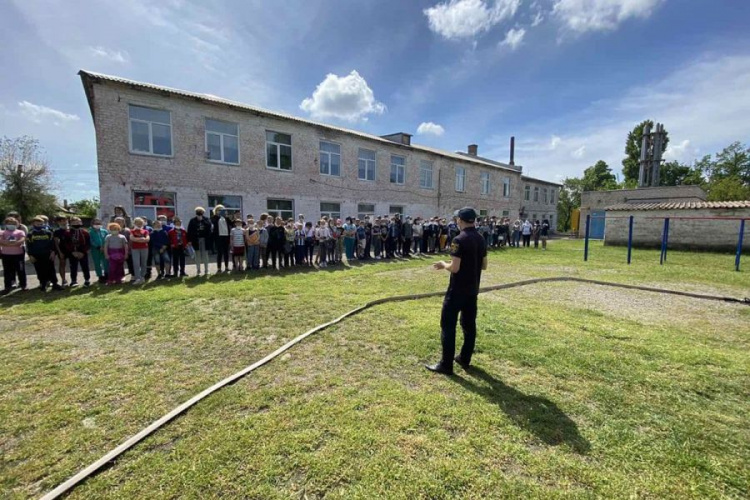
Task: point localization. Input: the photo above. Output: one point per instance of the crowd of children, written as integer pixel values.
(161, 247)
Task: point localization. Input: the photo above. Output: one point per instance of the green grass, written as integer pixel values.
(578, 391)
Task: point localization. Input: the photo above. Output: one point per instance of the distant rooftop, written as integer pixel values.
(682, 205)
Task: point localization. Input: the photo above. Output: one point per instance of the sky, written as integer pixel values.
(567, 78)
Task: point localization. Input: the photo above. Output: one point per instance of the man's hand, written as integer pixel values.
(440, 265)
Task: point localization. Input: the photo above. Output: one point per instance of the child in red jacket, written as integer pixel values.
(178, 242)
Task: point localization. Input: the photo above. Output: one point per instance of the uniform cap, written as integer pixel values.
(466, 214)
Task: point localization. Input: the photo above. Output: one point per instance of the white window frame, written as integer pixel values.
(552, 196)
(278, 151)
(545, 196)
(536, 194)
(426, 167)
(154, 207)
(367, 165)
(484, 183)
(400, 168)
(330, 214)
(361, 214)
(329, 154)
(460, 175)
(221, 141)
(506, 213)
(150, 152)
(400, 210)
(483, 213)
(269, 210)
(506, 187)
(237, 211)
(527, 193)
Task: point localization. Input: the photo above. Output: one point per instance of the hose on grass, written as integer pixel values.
(81, 476)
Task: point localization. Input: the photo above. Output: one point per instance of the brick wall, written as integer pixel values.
(720, 235)
(193, 178)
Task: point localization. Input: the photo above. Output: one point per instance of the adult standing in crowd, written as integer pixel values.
(199, 236)
(544, 233)
(526, 232)
(119, 211)
(468, 259)
(221, 225)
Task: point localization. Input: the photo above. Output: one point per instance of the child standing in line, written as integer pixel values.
(237, 238)
(116, 253)
(139, 239)
(41, 248)
(178, 242)
(264, 235)
(160, 249)
(80, 245)
(97, 235)
(60, 236)
(125, 231)
(252, 239)
(12, 241)
(299, 244)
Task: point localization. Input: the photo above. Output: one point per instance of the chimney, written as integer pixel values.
(512, 150)
(473, 149)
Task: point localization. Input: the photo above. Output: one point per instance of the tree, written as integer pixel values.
(598, 177)
(674, 173)
(86, 208)
(733, 161)
(728, 189)
(25, 178)
(570, 199)
(631, 165)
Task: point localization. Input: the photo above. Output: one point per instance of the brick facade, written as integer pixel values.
(192, 177)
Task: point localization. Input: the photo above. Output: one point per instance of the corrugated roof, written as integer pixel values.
(92, 75)
(682, 205)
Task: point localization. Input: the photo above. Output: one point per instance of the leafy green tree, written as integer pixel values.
(598, 177)
(25, 178)
(728, 189)
(569, 200)
(674, 173)
(631, 164)
(732, 161)
(86, 208)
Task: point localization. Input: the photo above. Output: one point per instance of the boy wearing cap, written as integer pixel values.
(468, 260)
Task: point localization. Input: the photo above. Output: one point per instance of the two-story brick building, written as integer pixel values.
(163, 150)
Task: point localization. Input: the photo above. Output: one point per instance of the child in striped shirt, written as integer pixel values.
(237, 237)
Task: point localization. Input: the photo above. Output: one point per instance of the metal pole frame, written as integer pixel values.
(663, 241)
(586, 241)
(630, 238)
(739, 246)
(666, 239)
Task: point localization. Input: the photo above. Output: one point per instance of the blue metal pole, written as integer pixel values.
(666, 239)
(739, 246)
(586, 242)
(663, 242)
(630, 238)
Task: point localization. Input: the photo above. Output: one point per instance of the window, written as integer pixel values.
(485, 182)
(425, 174)
(527, 193)
(366, 165)
(483, 213)
(330, 158)
(280, 208)
(536, 194)
(506, 187)
(460, 178)
(222, 141)
(552, 196)
(506, 213)
(398, 169)
(544, 195)
(151, 204)
(332, 210)
(233, 204)
(278, 151)
(150, 131)
(364, 210)
(533, 218)
(551, 221)
(395, 209)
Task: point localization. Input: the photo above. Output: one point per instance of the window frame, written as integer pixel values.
(321, 152)
(506, 187)
(361, 214)
(154, 207)
(462, 177)
(536, 194)
(150, 152)
(484, 183)
(269, 210)
(402, 167)
(423, 170)
(367, 161)
(221, 141)
(545, 196)
(552, 196)
(527, 193)
(394, 212)
(235, 211)
(278, 151)
(330, 214)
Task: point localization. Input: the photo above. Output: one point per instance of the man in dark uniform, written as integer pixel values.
(468, 260)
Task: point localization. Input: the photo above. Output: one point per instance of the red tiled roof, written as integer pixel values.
(681, 205)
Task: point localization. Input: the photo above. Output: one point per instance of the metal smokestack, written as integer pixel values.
(512, 149)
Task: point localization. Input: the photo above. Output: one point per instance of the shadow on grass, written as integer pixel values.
(536, 414)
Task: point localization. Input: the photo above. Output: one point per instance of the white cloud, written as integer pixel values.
(38, 114)
(429, 128)
(118, 56)
(513, 38)
(346, 98)
(538, 18)
(457, 19)
(580, 16)
(704, 106)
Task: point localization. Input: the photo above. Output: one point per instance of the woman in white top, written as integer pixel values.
(322, 235)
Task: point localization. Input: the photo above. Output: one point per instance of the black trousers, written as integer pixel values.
(84, 263)
(14, 265)
(178, 261)
(526, 239)
(222, 251)
(406, 247)
(45, 269)
(452, 305)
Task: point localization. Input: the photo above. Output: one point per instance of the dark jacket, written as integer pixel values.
(215, 223)
(276, 236)
(159, 239)
(199, 229)
(39, 242)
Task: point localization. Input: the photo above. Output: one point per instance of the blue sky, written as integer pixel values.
(568, 78)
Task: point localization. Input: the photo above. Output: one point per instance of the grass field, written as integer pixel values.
(578, 390)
